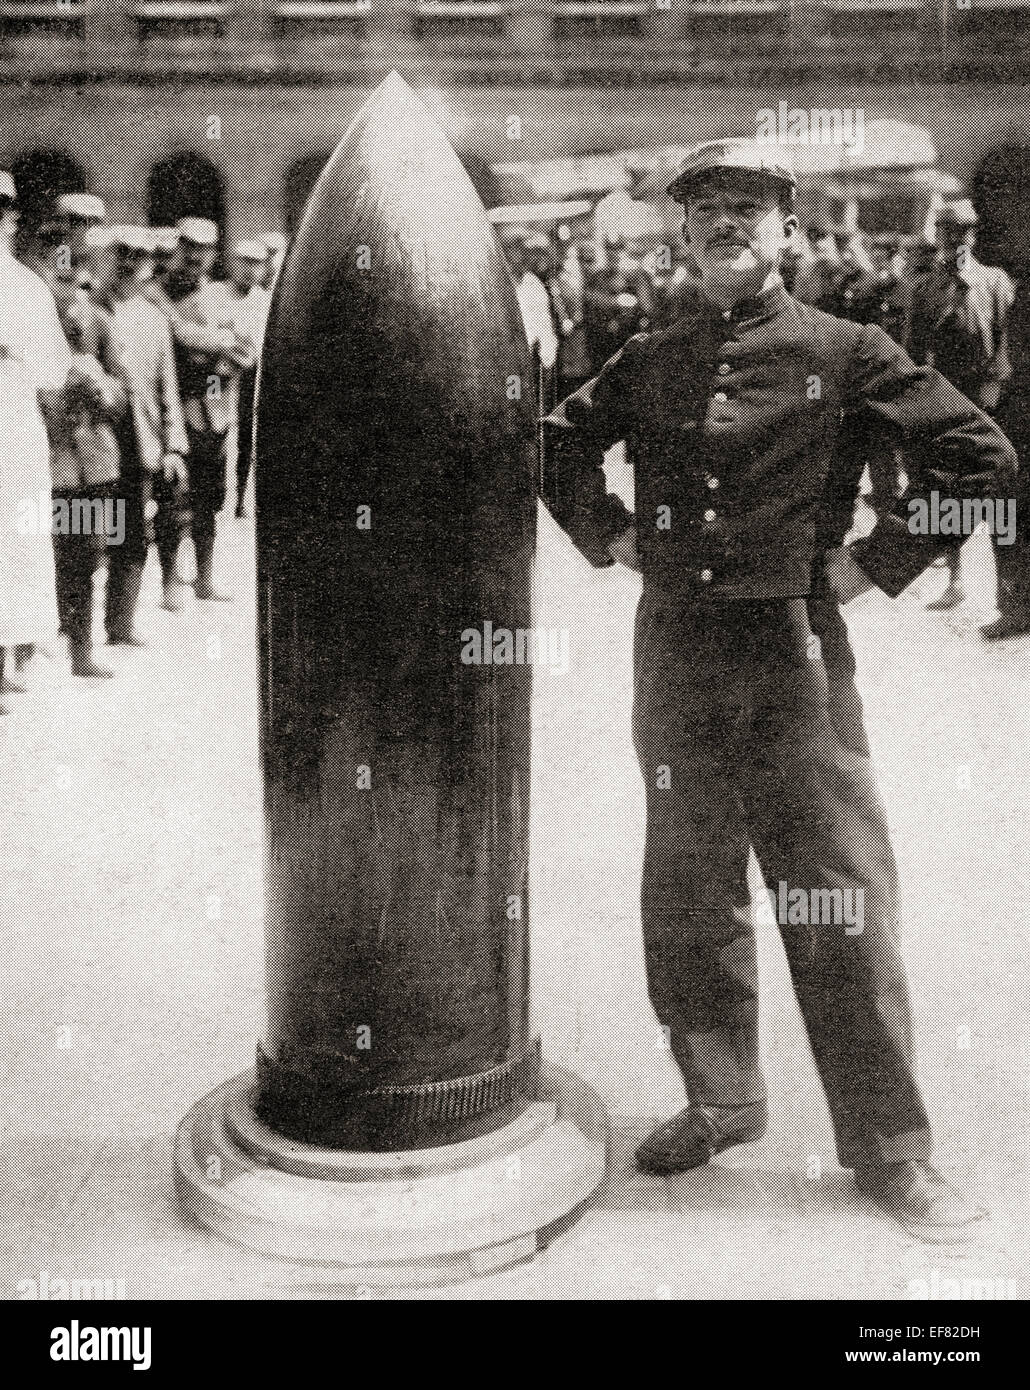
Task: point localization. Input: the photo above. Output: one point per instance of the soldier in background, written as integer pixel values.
(77, 215)
(152, 436)
(1013, 561)
(959, 324)
(817, 277)
(574, 365)
(276, 244)
(85, 459)
(884, 297)
(248, 271)
(618, 303)
(210, 354)
(34, 363)
(166, 251)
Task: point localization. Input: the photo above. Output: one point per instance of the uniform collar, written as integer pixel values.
(751, 310)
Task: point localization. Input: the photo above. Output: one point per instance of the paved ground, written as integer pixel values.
(131, 903)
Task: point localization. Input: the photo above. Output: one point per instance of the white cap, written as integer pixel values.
(166, 239)
(201, 231)
(250, 251)
(98, 238)
(132, 237)
(84, 206)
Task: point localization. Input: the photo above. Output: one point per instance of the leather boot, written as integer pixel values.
(698, 1133)
(84, 665)
(916, 1195)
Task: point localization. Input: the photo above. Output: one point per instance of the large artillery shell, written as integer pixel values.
(396, 511)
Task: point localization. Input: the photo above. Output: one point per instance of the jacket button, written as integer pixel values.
(720, 396)
(709, 515)
(706, 576)
(713, 482)
(724, 369)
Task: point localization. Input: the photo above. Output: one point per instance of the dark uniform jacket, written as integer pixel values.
(732, 420)
(960, 324)
(886, 302)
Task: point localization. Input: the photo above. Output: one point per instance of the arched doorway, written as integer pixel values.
(185, 185)
(300, 180)
(40, 177)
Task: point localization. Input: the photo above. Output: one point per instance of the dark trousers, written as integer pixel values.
(126, 561)
(748, 736)
(171, 523)
(206, 464)
(76, 560)
(245, 443)
(1013, 561)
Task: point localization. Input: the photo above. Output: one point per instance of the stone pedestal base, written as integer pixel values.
(425, 1216)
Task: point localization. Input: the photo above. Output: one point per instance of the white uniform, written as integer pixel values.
(34, 356)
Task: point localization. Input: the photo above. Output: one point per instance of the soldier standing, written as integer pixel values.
(248, 269)
(959, 325)
(152, 434)
(1013, 561)
(882, 297)
(85, 459)
(209, 355)
(747, 722)
(34, 363)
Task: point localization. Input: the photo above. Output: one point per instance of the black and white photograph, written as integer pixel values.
(515, 663)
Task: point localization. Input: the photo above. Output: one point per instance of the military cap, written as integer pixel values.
(766, 161)
(97, 238)
(142, 241)
(251, 251)
(83, 207)
(166, 239)
(8, 192)
(275, 242)
(959, 212)
(199, 231)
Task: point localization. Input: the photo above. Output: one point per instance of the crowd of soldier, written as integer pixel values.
(128, 377)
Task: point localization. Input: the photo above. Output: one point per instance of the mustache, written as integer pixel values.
(725, 240)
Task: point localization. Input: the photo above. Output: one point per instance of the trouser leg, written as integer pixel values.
(207, 466)
(818, 825)
(1012, 554)
(126, 560)
(245, 440)
(78, 562)
(699, 942)
(171, 522)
